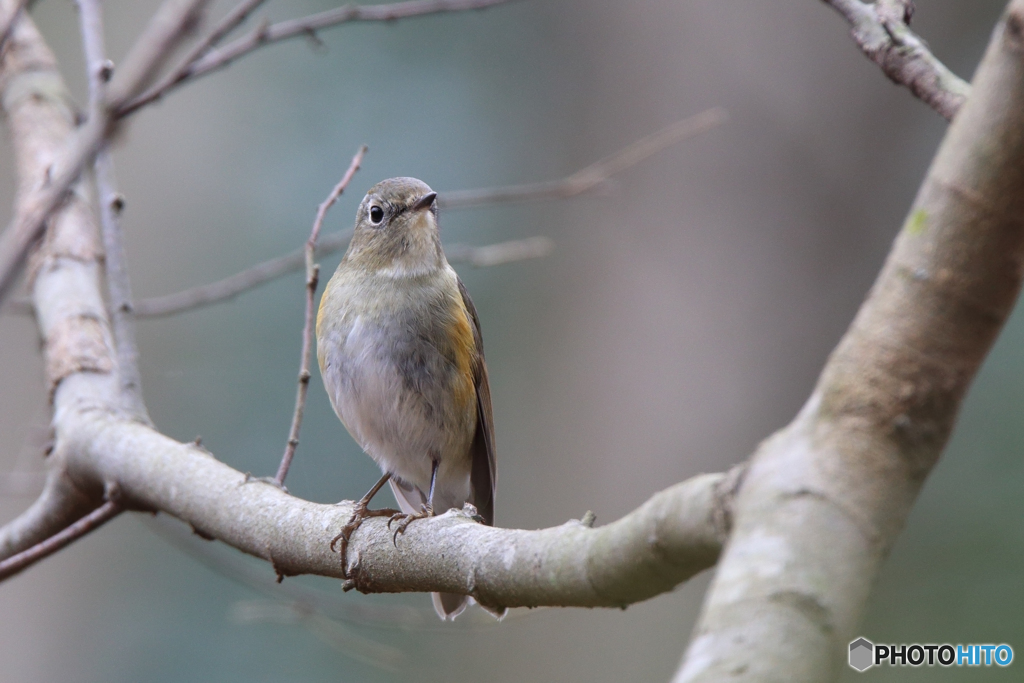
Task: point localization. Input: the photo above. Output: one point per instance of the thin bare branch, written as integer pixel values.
(232, 286)
(119, 290)
(173, 21)
(122, 312)
(94, 520)
(59, 505)
(312, 279)
(152, 48)
(592, 176)
(250, 278)
(302, 27)
(231, 20)
(882, 30)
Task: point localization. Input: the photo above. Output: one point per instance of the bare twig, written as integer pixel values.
(153, 47)
(122, 312)
(250, 278)
(312, 278)
(99, 71)
(26, 558)
(305, 26)
(231, 20)
(882, 31)
(229, 287)
(582, 181)
(594, 175)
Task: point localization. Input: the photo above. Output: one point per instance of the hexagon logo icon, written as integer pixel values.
(862, 653)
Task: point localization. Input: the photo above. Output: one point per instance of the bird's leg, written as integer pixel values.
(404, 519)
(360, 512)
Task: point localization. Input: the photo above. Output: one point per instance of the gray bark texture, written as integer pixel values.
(825, 498)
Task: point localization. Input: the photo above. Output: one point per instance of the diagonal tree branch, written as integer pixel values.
(673, 536)
(784, 603)
(312, 279)
(596, 174)
(50, 187)
(882, 31)
(207, 60)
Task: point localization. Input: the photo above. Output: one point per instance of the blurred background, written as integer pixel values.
(682, 318)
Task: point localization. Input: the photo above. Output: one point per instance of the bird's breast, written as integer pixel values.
(397, 360)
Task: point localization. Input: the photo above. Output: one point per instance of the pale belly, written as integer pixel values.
(395, 393)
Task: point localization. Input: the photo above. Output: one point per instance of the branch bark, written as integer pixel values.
(49, 186)
(785, 602)
(882, 32)
(99, 448)
(673, 536)
(580, 182)
(206, 60)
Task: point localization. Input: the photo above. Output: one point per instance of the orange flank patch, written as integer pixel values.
(465, 350)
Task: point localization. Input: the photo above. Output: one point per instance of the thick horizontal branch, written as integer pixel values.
(676, 534)
(207, 60)
(881, 30)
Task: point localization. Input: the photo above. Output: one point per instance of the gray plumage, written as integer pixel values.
(400, 352)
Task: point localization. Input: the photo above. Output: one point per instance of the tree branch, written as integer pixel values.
(211, 60)
(98, 71)
(673, 536)
(58, 506)
(592, 176)
(312, 278)
(785, 603)
(584, 180)
(50, 186)
(250, 278)
(883, 33)
(94, 520)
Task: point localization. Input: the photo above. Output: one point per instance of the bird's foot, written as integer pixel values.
(405, 519)
(359, 513)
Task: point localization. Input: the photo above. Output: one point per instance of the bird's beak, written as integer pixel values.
(424, 202)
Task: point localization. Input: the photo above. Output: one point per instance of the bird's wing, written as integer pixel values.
(484, 475)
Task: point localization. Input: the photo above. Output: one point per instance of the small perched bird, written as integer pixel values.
(402, 360)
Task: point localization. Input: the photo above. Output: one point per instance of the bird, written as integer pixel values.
(402, 360)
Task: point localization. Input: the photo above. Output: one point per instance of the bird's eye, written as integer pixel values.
(376, 215)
